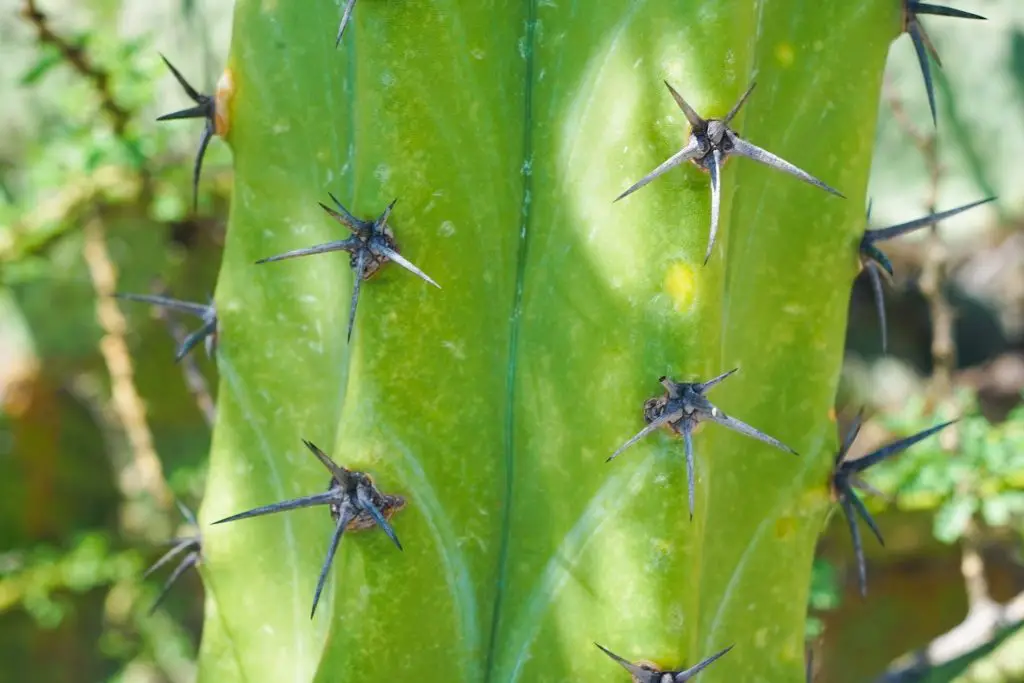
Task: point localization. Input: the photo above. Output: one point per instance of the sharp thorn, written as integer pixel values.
(746, 149)
(736, 107)
(716, 199)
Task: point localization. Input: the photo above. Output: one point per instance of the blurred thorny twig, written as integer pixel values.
(80, 62)
(935, 267)
(146, 473)
(985, 617)
(56, 215)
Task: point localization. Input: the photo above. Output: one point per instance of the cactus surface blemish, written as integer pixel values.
(223, 97)
(681, 284)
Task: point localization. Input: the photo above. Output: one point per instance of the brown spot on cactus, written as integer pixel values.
(223, 97)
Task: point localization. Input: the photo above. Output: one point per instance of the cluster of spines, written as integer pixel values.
(681, 409)
(370, 246)
(711, 143)
(355, 503)
(912, 11)
(877, 264)
(208, 333)
(189, 550)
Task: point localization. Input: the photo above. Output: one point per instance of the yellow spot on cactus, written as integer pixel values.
(785, 527)
(222, 103)
(784, 54)
(816, 497)
(681, 285)
(832, 414)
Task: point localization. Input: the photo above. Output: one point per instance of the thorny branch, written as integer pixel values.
(76, 57)
(64, 204)
(935, 269)
(933, 274)
(972, 566)
(985, 617)
(146, 474)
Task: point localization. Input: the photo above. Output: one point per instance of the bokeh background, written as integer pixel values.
(94, 198)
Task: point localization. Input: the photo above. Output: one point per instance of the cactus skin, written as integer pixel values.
(491, 405)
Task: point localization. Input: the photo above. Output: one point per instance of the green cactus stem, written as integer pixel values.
(505, 130)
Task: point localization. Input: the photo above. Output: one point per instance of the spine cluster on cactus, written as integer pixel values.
(511, 419)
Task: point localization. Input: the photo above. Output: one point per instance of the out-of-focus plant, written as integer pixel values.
(94, 198)
(984, 479)
(46, 581)
(97, 144)
(824, 595)
(973, 485)
(40, 578)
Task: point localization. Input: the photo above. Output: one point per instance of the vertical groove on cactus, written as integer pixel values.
(522, 253)
(505, 130)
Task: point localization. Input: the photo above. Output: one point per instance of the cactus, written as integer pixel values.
(489, 407)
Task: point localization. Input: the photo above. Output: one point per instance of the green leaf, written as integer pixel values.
(49, 58)
(952, 518)
(824, 586)
(505, 130)
(998, 509)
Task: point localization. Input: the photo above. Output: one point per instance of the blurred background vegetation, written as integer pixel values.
(100, 432)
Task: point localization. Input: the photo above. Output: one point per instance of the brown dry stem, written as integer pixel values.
(145, 475)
